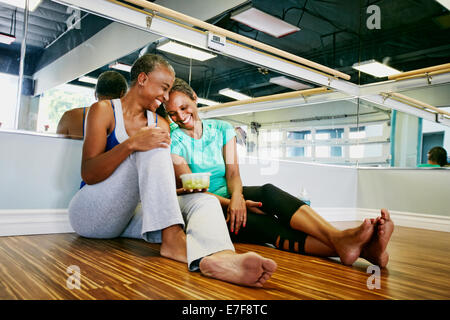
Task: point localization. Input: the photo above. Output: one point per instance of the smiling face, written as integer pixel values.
(182, 110)
(155, 86)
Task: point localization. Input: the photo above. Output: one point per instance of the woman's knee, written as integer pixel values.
(87, 225)
(269, 189)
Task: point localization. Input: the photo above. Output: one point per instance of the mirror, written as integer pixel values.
(66, 49)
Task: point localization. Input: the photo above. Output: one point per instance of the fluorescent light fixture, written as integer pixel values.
(120, 66)
(264, 22)
(375, 68)
(288, 83)
(206, 101)
(185, 51)
(233, 94)
(88, 79)
(6, 38)
(32, 4)
(445, 3)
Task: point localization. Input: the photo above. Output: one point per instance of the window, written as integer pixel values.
(55, 102)
(325, 134)
(299, 135)
(299, 151)
(357, 133)
(374, 130)
(336, 151)
(8, 84)
(322, 151)
(371, 150)
(356, 152)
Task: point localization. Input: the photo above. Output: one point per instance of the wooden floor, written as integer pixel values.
(35, 267)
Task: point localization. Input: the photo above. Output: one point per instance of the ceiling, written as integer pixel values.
(414, 34)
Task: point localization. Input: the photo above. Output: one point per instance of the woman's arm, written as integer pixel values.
(97, 165)
(237, 208)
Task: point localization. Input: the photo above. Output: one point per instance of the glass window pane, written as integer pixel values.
(8, 85)
(356, 152)
(323, 136)
(336, 151)
(299, 135)
(322, 151)
(56, 101)
(357, 133)
(374, 130)
(295, 151)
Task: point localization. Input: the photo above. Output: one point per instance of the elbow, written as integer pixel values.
(87, 178)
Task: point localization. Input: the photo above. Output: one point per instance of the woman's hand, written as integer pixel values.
(237, 212)
(149, 138)
(254, 206)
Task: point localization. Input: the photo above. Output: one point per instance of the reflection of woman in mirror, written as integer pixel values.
(437, 156)
(126, 160)
(110, 85)
(263, 214)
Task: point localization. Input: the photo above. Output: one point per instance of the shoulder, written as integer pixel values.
(101, 109)
(101, 114)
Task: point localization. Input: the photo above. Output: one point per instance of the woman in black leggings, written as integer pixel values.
(262, 214)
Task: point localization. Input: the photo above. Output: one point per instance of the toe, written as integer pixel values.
(385, 214)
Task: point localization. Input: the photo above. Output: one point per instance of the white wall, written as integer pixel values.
(38, 172)
(424, 191)
(327, 185)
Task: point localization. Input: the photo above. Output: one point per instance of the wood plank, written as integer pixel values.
(35, 267)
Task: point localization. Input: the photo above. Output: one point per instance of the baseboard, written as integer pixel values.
(33, 221)
(409, 219)
(400, 218)
(40, 221)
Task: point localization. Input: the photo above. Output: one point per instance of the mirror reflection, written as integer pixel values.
(69, 51)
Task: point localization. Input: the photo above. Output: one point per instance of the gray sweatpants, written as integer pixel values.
(109, 209)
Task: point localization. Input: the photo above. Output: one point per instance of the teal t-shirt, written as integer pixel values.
(205, 154)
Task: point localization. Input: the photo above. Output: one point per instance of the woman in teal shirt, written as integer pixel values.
(262, 214)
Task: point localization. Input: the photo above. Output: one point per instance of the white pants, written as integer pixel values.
(206, 230)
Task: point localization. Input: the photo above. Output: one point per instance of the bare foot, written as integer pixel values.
(173, 244)
(248, 269)
(375, 251)
(349, 243)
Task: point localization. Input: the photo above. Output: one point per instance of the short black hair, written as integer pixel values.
(179, 85)
(147, 63)
(111, 84)
(438, 155)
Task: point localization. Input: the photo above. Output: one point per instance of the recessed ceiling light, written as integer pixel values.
(120, 66)
(264, 22)
(6, 38)
(185, 51)
(445, 3)
(288, 83)
(375, 68)
(32, 4)
(233, 94)
(87, 79)
(206, 101)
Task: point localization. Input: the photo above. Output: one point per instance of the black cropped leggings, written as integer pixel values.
(274, 227)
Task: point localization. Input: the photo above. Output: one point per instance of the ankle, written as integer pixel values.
(172, 233)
